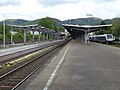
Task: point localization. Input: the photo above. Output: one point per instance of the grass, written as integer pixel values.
(115, 44)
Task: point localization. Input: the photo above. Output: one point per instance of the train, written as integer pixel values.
(105, 38)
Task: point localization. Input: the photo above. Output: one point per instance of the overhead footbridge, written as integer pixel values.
(82, 31)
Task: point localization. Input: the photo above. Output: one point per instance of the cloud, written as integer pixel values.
(60, 9)
(77, 10)
(106, 0)
(55, 2)
(58, 2)
(9, 2)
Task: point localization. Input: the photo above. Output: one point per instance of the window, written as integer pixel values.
(109, 36)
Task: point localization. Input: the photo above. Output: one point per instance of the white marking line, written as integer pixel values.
(55, 71)
(54, 58)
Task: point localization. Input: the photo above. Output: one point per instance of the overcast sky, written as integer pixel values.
(60, 9)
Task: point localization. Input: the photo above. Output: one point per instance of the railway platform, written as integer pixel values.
(22, 47)
(78, 67)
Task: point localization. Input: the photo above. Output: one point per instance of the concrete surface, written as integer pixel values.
(11, 50)
(79, 67)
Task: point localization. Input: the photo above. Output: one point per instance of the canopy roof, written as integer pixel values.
(34, 27)
(77, 30)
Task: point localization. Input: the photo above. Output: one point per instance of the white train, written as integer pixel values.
(105, 38)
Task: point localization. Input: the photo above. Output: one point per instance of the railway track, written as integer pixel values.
(4, 64)
(12, 79)
(10, 54)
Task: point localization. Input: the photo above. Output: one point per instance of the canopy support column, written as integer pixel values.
(25, 36)
(39, 36)
(33, 36)
(86, 38)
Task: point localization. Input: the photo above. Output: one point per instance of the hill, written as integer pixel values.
(15, 21)
(78, 21)
(84, 21)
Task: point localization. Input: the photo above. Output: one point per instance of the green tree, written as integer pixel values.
(48, 23)
(60, 29)
(116, 26)
(107, 31)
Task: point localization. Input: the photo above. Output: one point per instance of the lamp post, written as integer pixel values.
(4, 33)
(89, 15)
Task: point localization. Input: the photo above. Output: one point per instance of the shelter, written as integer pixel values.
(48, 34)
(82, 31)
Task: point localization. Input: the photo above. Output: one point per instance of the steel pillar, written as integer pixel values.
(39, 36)
(25, 36)
(33, 36)
(86, 38)
(11, 39)
(47, 36)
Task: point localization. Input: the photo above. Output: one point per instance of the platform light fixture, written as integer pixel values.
(89, 15)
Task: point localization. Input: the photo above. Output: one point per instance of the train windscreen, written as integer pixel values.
(109, 36)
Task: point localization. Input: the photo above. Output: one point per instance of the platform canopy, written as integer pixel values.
(78, 30)
(24, 26)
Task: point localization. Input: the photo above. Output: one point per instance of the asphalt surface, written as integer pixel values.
(79, 67)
